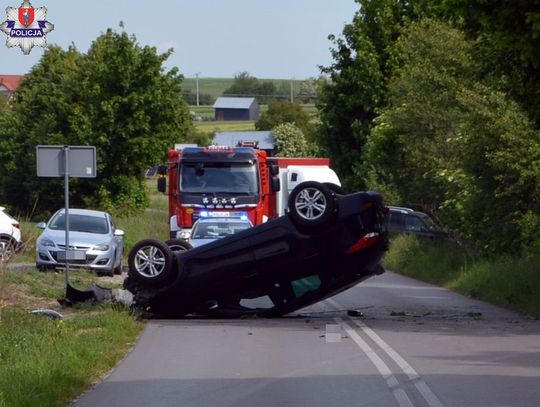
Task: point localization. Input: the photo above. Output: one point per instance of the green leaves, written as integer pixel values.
(116, 97)
(290, 141)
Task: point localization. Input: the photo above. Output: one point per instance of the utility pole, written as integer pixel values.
(292, 87)
(197, 85)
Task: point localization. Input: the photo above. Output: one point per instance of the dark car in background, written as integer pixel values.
(408, 221)
(325, 244)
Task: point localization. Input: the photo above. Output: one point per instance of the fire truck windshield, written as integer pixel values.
(215, 177)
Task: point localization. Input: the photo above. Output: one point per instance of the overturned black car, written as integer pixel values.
(325, 244)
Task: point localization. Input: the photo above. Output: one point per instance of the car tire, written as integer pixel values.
(178, 245)
(150, 262)
(118, 269)
(336, 189)
(44, 269)
(7, 248)
(311, 204)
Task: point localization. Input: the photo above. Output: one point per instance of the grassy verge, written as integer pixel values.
(45, 362)
(508, 282)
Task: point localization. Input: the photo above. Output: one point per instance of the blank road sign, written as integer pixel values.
(81, 161)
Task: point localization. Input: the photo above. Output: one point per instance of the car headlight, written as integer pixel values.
(103, 247)
(47, 243)
(184, 234)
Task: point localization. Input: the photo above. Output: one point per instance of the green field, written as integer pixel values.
(218, 126)
(216, 86)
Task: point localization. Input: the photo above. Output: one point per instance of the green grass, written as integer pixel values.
(210, 86)
(216, 86)
(218, 126)
(508, 282)
(44, 362)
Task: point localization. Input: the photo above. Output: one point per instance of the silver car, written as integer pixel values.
(90, 231)
(206, 230)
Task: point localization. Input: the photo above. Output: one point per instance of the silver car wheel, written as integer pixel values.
(6, 249)
(149, 261)
(310, 204)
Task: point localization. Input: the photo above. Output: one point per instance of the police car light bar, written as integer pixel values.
(216, 214)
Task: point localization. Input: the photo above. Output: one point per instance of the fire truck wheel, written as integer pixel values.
(150, 262)
(178, 245)
(311, 204)
(336, 189)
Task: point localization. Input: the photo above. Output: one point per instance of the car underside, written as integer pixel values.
(325, 244)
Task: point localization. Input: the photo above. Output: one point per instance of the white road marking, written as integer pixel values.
(391, 381)
(431, 399)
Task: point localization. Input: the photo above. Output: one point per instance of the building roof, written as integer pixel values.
(265, 139)
(11, 82)
(233, 103)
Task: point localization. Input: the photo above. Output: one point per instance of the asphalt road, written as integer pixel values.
(415, 345)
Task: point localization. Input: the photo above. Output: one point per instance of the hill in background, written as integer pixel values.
(214, 87)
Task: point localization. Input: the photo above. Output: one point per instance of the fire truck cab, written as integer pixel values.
(227, 181)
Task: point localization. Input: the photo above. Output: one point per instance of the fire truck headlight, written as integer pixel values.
(265, 218)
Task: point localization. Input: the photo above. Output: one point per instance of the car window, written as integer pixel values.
(428, 223)
(80, 223)
(217, 230)
(414, 223)
(305, 285)
(396, 220)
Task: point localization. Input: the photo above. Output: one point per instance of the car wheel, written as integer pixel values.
(118, 270)
(311, 204)
(44, 269)
(150, 262)
(108, 273)
(336, 189)
(178, 245)
(7, 248)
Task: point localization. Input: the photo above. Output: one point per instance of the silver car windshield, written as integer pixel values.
(80, 223)
(217, 230)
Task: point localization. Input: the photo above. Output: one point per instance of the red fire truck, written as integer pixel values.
(233, 181)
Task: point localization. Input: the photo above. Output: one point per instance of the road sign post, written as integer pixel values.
(66, 161)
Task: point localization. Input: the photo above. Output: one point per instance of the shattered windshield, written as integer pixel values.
(233, 178)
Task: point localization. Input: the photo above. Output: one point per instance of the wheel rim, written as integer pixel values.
(5, 250)
(149, 261)
(310, 204)
(177, 248)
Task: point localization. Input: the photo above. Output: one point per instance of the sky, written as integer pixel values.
(281, 39)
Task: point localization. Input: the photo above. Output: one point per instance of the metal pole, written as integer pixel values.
(66, 210)
(291, 91)
(197, 84)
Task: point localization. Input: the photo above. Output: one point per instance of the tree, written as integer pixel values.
(449, 143)
(506, 35)
(280, 112)
(309, 90)
(290, 141)
(116, 97)
(357, 83)
(246, 85)
(411, 150)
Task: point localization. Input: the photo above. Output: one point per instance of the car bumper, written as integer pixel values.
(94, 259)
